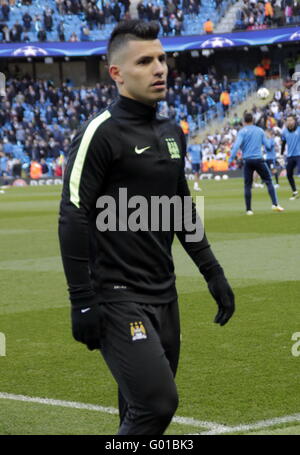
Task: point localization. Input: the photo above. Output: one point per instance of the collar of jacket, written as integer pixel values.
(136, 108)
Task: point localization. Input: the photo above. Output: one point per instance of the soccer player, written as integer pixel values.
(271, 161)
(195, 155)
(291, 137)
(121, 281)
(250, 140)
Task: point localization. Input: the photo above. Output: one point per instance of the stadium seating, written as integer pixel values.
(191, 18)
(259, 15)
(192, 21)
(43, 118)
(72, 22)
(193, 24)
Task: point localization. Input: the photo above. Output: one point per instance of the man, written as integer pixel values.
(225, 100)
(195, 156)
(27, 19)
(260, 74)
(266, 63)
(269, 14)
(121, 281)
(271, 160)
(250, 140)
(208, 27)
(185, 127)
(291, 137)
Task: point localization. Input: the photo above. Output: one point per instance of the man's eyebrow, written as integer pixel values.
(146, 56)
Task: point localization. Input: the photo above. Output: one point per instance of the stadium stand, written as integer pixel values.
(37, 120)
(183, 17)
(54, 20)
(255, 15)
(91, 20)
(210, 9)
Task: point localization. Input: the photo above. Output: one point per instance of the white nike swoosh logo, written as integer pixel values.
(84, 310)
(138, 151)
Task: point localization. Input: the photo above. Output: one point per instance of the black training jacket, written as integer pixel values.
(129, 146)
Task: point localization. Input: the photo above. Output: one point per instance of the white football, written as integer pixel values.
(263, 93)
(225, 177)
(217, 177)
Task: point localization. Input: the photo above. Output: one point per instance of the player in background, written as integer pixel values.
(250, 140)
(271, 161)
(257, 181)
(291, 138)
(195, 156)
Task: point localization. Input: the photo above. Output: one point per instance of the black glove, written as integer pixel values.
(223, 295)
(86, 325)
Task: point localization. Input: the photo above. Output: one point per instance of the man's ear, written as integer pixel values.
(115, 73)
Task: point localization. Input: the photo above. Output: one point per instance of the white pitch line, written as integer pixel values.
(64, 404)
(255, 426)
(212, 426)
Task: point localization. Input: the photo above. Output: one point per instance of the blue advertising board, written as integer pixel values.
(171, 44)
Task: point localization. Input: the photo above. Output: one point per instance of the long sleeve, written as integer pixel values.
(267, 142)
(236, 146)
(283, 142)
(89, 160)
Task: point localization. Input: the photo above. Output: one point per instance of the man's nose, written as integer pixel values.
(159, 68)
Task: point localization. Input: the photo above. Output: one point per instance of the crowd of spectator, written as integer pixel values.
(94, 14)
(38, 120)
(18, 32)
(267, 13)
(48, 23)
(194, 95)
(170, 13)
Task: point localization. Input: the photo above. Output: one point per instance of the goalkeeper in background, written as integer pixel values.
(291, 138)
(271, 159)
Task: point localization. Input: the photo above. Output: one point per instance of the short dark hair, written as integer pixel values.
(133, 29)
(248, 117)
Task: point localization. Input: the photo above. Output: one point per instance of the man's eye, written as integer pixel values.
(144, 61)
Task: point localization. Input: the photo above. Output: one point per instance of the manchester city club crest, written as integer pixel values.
(138, 331)
(172, 147)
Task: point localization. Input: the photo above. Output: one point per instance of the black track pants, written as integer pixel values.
(140, 344)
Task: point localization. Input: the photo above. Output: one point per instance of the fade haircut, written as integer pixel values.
(133, 29)
(248, 117)
(292, 116)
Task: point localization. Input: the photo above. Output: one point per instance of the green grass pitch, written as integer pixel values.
(239, 374)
